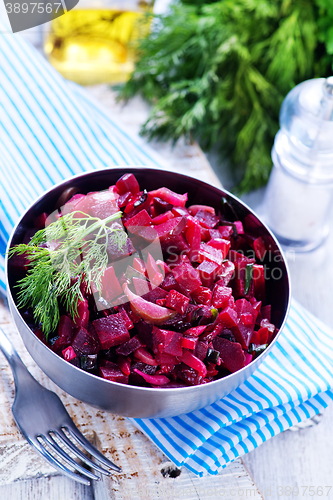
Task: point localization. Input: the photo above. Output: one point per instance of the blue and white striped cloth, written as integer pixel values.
(51, 129)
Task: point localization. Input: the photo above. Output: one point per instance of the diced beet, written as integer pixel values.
(201, 349)
(260, 337)
(202, 295)
(167, 342)
(225, 231)
(177, 301)
(110, 285)
(243, 332)
(259, 248)
(214, 234)
(160, 219)
(160, 302)
(127, 319)
(111, 330)
(69, 353)
(82, 317)
(211, 254)
(177, 200)
(130, 346)
(86, 342)
(231, 353)
(194, 209)
(239, 226)
(239, 257)
(187, 277)
(65, 332)
(207, 219)
(170, 228)
(271, 328)
(126, 183)
(221, 296)
(170, 283)
(228, 317)
(18, 264)
(246, 318)
(145, 333)
(244, 306)
(154, 294)
(141, 220)
(111, 371)
(193, 237)
(188, 375)
(175, 244)
(124, 199)
(161, 206)
(113, 249)
(221, 244)
(208, 272)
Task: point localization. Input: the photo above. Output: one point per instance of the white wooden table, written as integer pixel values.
(300, 459)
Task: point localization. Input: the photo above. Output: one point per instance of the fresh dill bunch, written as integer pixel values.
(67, 253)
(218, 71)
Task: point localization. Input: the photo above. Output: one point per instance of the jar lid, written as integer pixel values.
(306, 120)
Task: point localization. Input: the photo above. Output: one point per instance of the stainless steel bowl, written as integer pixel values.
(142, 402)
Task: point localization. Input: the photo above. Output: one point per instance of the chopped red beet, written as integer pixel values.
(111, 371)
(231, 353)
(177, 301)
(111, 330)
(204, 294)
(126, 183)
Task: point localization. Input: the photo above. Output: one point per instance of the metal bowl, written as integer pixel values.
(143, 402)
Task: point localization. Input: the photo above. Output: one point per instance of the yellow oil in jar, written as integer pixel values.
(95, 46)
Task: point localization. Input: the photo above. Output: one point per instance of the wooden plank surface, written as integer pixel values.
(146, 472)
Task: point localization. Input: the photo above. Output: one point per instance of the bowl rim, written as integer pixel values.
(184, 177)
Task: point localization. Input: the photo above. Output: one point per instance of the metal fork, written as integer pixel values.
(41, 417)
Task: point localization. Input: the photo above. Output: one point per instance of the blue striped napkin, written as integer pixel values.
(51, 129)
(292, 384)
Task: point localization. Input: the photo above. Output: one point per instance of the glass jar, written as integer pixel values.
(300, 189)
(95, 42)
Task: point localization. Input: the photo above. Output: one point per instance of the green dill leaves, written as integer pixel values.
(68, 253)
(217, 71)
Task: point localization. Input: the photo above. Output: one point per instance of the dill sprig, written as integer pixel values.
(64, 255)
(218, 70)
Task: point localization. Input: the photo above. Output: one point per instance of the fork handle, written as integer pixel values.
(18, 368)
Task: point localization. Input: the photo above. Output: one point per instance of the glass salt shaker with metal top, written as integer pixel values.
(300, 189)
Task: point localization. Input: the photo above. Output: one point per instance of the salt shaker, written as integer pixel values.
(300, 188)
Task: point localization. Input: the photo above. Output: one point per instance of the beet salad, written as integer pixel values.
(141, 288)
